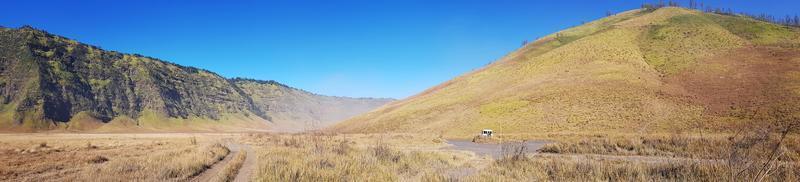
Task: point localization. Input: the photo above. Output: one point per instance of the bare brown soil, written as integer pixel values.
(742, 79)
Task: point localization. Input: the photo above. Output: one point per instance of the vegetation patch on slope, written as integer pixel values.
(678, 44)
(758, 32)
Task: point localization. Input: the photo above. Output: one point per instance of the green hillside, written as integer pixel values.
(643, 70)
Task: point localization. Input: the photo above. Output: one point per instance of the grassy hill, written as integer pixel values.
(640, 71)
(52, 82)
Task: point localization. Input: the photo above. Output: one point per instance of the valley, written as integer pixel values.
(652, 94)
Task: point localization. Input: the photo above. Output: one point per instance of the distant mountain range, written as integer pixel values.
(50, 82)
(642, 71)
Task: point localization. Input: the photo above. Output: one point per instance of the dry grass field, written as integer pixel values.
(106, 157)
(391, 157)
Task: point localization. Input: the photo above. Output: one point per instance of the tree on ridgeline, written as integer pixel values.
(796, 20)
(673, 4)
(694, 4)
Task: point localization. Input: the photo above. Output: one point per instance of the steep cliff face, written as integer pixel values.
(48, 80)
(295, 109)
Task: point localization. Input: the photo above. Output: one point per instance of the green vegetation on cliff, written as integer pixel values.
(48, 81)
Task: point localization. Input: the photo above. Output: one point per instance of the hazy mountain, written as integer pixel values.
(298, 109)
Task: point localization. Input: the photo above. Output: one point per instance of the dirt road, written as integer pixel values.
(244, 173)
(493, 150)
(249, 165)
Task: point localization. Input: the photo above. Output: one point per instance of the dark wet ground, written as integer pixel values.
(493, 150)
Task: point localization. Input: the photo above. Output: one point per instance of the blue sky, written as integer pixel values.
(368, 48)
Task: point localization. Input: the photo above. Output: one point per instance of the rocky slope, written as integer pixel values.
(645, 70)
(50, 82)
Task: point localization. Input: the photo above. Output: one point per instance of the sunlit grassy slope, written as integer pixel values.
(623, 73)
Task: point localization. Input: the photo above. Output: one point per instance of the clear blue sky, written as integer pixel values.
(367, 48)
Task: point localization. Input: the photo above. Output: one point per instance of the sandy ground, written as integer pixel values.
(249, 165)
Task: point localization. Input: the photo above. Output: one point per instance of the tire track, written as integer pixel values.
(245, 172)
(249, 165)
(213, 170)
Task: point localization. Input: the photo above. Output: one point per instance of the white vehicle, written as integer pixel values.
(487, 133)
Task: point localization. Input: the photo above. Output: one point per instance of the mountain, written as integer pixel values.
(51, 82)
(645, 70)
(296, 109)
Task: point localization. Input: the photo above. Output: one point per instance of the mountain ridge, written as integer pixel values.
(49, 80)
(299, 89)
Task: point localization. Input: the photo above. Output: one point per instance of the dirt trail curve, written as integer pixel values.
(245, 172)
(249, 165)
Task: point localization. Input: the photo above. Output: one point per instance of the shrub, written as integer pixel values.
(514, 151)
(90, 146)
(383, 152)
(342, 148)
(292, 142)
(97, 159)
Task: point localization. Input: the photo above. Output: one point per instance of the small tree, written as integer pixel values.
(514, 151)
(647, 6)
(673, 4)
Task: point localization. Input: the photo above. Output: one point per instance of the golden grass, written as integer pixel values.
(713, 147)
(182, 163)
(399, 157)
(349, 158)
(379, 157)
(598, 169)
(105, 157)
